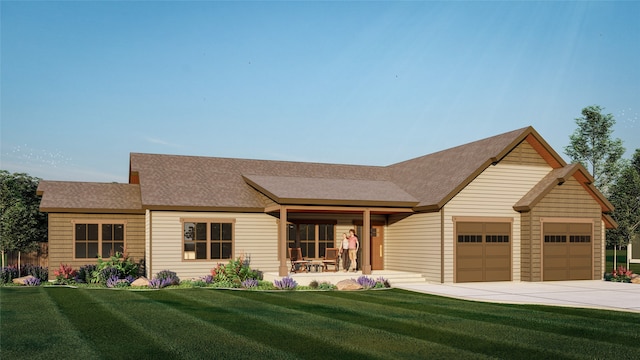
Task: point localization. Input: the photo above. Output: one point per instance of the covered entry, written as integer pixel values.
(567, 251)
(483, 251)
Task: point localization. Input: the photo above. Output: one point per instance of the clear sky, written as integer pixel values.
(373, 83)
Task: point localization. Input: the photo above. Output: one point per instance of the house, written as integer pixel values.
(505, 208)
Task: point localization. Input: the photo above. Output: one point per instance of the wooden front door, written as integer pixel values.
(377, 247)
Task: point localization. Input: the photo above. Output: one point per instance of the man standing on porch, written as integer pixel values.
(354, 245)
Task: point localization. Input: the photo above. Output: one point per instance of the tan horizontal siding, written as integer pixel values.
(492, 194)
(61, 247)
(413, 244)
(524, 154)
(569, 200)
(255, 236)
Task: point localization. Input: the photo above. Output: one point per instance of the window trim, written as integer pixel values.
(99, 222)
(208, 221)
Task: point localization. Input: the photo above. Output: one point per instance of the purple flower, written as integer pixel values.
(207, 279)
(286, 283)
(160, 283)
(366, 282)
(32, 281)
(249, 283)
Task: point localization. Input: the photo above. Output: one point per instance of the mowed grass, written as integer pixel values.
(621, 255)
(55, 323)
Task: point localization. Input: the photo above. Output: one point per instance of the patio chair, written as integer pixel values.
(298, 263)
(331, 257)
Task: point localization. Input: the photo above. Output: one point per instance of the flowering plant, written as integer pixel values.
(366, 282)
(65, 274)
(115, 282)
(159, 283)
(286, 283)
(621, 274)
(249, 283)
(32, 281)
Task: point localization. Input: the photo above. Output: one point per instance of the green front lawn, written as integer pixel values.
(51, 323)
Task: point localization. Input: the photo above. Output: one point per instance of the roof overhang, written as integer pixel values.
(558, 177)
(331, 191)
(609, 222)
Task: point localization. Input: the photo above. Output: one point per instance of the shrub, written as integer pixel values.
(32, 281)
(382, 283)
(250, 283)
(170, 276)
(326, 286)
(286, 283)
(115, 282)
(65, 274)
(85, 272)
(159, 283)
(8, 274)
(42, 273)
(314, 284)
(119, 265)
(366, 282)
(621, 274)
(234, 272)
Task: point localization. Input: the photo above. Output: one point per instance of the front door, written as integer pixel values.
(377, 247)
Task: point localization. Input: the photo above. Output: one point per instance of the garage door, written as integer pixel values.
(483, 251)
(567, 252)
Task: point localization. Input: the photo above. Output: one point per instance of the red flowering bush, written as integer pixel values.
(621, 274)
(65, 274)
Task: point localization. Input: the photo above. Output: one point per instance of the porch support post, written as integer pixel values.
(366, 242)
(282, 242)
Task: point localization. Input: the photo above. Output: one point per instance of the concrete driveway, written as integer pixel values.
(596, 294)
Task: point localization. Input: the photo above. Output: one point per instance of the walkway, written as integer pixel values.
(597, 294)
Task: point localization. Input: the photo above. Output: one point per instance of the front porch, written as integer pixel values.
(394, 277)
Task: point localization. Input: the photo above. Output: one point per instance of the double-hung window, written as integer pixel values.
(207, 239)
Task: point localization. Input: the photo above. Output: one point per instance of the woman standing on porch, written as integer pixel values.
(344, 252)
(354, 244)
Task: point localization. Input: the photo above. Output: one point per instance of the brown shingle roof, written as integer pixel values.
(328, 191)
(179, 182)
(436, 178)
(557, 177)
(69, 196)
(201, 183)
(170, 181)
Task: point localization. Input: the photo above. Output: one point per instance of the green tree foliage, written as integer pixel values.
(625, 196)
(22, 225)
(592, 146)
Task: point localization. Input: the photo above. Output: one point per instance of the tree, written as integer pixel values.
(22, 225)
(592, 146)
(625, 196)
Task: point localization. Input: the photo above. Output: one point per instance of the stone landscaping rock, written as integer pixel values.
(141, 281)
(635, 280)
(21, 280)
(349, 284)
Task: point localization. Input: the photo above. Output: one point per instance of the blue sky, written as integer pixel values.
(373, 83)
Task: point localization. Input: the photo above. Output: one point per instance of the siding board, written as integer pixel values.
(61, 247)
(408, 239)
(255, 236)
(569, 200)
(493, 194)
